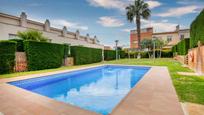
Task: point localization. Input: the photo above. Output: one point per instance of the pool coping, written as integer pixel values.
(141, 99)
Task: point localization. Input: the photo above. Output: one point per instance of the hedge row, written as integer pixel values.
(197, 30)
(7, 56)
(164, 54)
(66, 50)
(42, 55)
(20, 45)
(182, 47)
(109, 55)
(85, 55)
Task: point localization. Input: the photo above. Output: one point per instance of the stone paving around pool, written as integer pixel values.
(153, 95)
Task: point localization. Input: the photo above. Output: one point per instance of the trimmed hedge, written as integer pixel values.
(197, 30)
(66, 50)
(122, 54)
(7, 56)
(164, 54)
(20, 46)
(182, 47)
(167, 54)
(85, 55)
(43, 55)
(109, 55)
(174, 49)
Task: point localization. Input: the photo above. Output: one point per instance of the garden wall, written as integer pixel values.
(21, 62)
(196, 59)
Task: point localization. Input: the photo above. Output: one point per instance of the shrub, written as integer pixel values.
(7, 56)
(182, 47)
(66, 50)
(85, 55)
(42, 55)
(167, 54)
(197, 30)
(174, 49)
(109, 55)
(122, 54)
(19, 47)
(144, 54)
(32, 35)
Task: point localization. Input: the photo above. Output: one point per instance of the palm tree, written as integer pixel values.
(136, 11)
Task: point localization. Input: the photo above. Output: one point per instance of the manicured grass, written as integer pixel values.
(189, 88)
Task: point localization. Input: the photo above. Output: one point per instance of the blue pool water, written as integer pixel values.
(97, 89)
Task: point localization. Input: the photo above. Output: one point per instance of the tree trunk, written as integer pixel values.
(138, 31)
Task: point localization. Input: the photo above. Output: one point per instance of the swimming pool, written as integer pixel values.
(98, 89)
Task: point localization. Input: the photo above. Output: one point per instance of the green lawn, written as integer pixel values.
(189, 88)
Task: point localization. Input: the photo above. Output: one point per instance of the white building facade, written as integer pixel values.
(11, 25)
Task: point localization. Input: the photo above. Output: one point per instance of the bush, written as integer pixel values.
(197, 30)
(167, 54)
(182, 47)
(109, 55)
(19, 47)
(174, 49)
(85, 55)
(7, 56)
(66, 50)
(32, 35)
(42, 55)
(122, 54)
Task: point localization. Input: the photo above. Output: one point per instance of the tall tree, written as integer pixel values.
(135, 12)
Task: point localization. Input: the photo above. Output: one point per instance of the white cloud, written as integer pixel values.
(174, 12)
(153, 4)
(120, 4)
(159, 26)
(110, 22)
(110, 4)
(127, 29)
(60, 23)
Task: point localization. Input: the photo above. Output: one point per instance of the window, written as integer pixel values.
(181, 37)
(135, 42)
(13, 36)
(169, 38)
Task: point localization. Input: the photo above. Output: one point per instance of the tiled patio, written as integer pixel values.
(153, 95)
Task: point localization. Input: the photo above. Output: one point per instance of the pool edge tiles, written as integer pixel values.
(117, 67)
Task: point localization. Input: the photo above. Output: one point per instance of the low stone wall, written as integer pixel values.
(196, 59)
(21, 62)
(180, 58)
(69, 61)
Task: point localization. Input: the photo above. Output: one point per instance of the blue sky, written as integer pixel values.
(105, 18)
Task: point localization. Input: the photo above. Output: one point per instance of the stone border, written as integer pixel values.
(154, 95)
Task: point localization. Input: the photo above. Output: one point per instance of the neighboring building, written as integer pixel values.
(107, 48)
(146, 33)
(10, 25)
(170, 38)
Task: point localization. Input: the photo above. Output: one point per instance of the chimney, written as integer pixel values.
(23, 19)
(87, 37)
(47, 25)
(177, 28)
(77, 34)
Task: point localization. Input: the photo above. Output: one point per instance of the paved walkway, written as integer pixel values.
(153, 95)
(195, 109)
